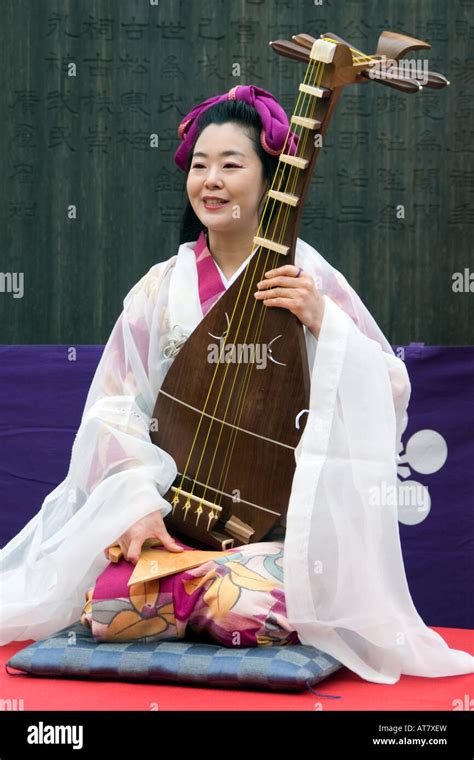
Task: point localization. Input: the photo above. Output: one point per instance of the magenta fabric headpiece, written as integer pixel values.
(275, 122)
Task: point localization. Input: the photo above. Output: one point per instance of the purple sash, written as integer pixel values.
(210, 282)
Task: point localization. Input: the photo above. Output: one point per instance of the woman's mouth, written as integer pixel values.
(213, 205)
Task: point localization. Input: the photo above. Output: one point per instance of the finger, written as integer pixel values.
(169, 542)
(123, 547)
(288, 303)
(287, 282)
(291, 270)
(267, 295)
(134, 551)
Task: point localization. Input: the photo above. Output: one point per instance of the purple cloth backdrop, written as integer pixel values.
(43, 393)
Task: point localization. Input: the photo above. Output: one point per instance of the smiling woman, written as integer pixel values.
(333, 577)
(230, 167)
(239, 175)
(227, 195)
(113, 493)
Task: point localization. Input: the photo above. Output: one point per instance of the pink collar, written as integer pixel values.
(210, 282)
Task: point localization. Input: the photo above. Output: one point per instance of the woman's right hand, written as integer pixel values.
(150, 526)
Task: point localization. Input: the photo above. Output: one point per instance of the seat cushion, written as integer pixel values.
(73, 653)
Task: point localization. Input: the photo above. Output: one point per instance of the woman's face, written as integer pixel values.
(225, 165)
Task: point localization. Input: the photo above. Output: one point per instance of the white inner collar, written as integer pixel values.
(228, 282)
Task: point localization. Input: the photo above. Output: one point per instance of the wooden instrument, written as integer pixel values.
(232, 428)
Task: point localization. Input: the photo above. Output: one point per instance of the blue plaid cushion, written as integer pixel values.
(72, 652)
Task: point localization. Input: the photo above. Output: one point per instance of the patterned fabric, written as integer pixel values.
(236, 600)
(72, 652)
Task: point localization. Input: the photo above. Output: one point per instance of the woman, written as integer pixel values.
(226, 191)
(344, 584)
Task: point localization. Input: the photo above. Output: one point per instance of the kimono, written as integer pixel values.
(345, 588)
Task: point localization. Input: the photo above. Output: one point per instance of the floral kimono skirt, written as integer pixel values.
(235, 600)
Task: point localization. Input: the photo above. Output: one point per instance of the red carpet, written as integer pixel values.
(410, 693)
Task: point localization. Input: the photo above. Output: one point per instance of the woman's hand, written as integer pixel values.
(281, 287)
(150, 526)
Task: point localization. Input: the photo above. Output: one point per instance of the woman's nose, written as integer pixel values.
(213, 177)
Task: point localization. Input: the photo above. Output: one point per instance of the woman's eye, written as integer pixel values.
(233, 166)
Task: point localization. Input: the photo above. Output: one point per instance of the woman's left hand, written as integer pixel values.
(281, 287)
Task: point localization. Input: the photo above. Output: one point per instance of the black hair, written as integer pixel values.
(241, 113)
